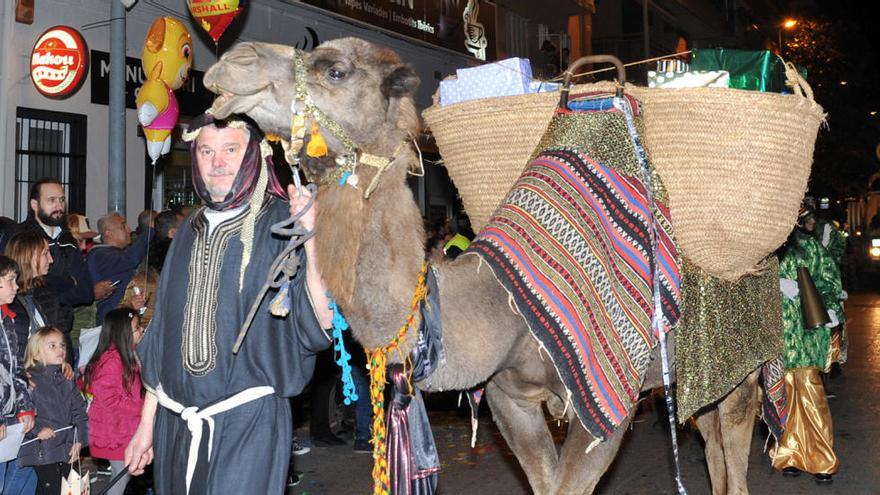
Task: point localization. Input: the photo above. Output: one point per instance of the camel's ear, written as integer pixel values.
(402, 81)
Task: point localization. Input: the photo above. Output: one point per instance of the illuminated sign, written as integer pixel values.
(59, 62)
(462, 25)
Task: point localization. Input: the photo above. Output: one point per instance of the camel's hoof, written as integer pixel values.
(824, 478)
(791, 471)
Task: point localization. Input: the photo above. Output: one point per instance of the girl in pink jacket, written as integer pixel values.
(112, 377)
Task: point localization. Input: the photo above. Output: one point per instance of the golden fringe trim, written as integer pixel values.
(254, 204)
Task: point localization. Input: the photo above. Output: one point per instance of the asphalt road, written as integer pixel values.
(644, 465)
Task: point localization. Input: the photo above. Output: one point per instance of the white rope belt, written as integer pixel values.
(195, 419)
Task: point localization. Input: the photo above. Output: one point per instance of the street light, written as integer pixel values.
(787, 24)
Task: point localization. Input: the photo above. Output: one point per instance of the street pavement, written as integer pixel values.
(644, 464)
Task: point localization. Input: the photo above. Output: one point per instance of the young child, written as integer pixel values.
(59, 405)
(113, 378)
(15, 400)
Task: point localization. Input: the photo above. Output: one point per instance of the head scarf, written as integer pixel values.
(246, 179)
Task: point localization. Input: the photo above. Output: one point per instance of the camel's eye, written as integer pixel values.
(335, 74)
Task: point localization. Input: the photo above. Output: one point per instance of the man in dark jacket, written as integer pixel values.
(68, 275)
(116, 258)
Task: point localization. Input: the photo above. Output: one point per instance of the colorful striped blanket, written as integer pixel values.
(572, 244)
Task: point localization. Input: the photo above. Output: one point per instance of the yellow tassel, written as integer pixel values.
(317, 147)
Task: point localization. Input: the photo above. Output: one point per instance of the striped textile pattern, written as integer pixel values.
(774, 407)
(571, 243)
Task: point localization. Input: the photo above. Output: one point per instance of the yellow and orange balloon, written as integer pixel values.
(166, 58)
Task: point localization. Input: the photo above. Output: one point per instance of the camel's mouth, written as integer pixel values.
(226, 104)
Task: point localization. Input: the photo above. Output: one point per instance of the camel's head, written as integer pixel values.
(362, 87)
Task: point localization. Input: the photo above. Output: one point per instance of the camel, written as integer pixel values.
(371, 251)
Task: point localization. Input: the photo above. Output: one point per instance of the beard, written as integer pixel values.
(54, 219)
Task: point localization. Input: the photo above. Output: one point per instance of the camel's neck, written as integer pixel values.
(380, 272)
(371, 252)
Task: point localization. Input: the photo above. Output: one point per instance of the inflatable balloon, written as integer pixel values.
(168, 46)
(214, 16)
(157, 111)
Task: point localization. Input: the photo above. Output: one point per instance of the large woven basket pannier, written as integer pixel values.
(735, 162)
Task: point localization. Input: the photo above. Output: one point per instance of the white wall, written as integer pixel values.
(264, 20)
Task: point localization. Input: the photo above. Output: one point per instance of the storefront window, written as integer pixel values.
(50, 144)
(169, 182)
(177, 179)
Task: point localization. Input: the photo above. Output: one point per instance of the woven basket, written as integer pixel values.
(735, 162)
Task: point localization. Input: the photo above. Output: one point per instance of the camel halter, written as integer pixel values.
(302, 108)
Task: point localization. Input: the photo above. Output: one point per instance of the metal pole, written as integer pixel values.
(645, 28)
(116, 152)
(6, 81)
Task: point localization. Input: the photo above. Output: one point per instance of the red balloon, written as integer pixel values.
(214, 16)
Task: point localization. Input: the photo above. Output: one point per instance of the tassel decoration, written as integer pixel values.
(317, 147)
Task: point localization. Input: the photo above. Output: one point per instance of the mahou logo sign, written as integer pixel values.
(59, 62)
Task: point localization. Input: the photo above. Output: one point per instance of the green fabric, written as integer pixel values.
(753, 70)
(808, 347)
(83, 317)
(836, 241)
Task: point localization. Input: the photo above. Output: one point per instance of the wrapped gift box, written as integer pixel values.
(507, 77)
(450, 92)
(543, 87)
(691, 79)
(754, 70)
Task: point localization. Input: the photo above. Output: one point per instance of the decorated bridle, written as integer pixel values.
(302, 108)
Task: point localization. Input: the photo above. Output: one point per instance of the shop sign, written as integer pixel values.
(466, 26)
(192, 97)
(59, 62)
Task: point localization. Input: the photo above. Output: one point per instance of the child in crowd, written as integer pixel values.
(62, 424)
(113, 379)
(15, 399)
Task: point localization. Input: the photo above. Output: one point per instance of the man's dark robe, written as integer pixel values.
(251, 443)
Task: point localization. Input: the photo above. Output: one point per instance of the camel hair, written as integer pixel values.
(371, 251)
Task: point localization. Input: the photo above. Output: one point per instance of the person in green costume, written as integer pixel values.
(807, 443)
(832, 238)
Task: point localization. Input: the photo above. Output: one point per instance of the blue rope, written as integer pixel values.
(342, 356)
(345, 176)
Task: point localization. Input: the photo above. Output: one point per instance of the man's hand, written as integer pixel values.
(139, 452)
(298, 200)
(67, 370)
(27, 423)
(103, 289)
(74, 452)
(46, 433)
(2, 432)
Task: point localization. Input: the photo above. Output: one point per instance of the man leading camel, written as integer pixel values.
(220, 411)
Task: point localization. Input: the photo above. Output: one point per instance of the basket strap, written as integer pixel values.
(591, 59)
(798, 84)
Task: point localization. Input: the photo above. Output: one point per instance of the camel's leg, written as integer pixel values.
(521, 422)
(727, 430)
(737, 414)
(709, 425)
(578, 471)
